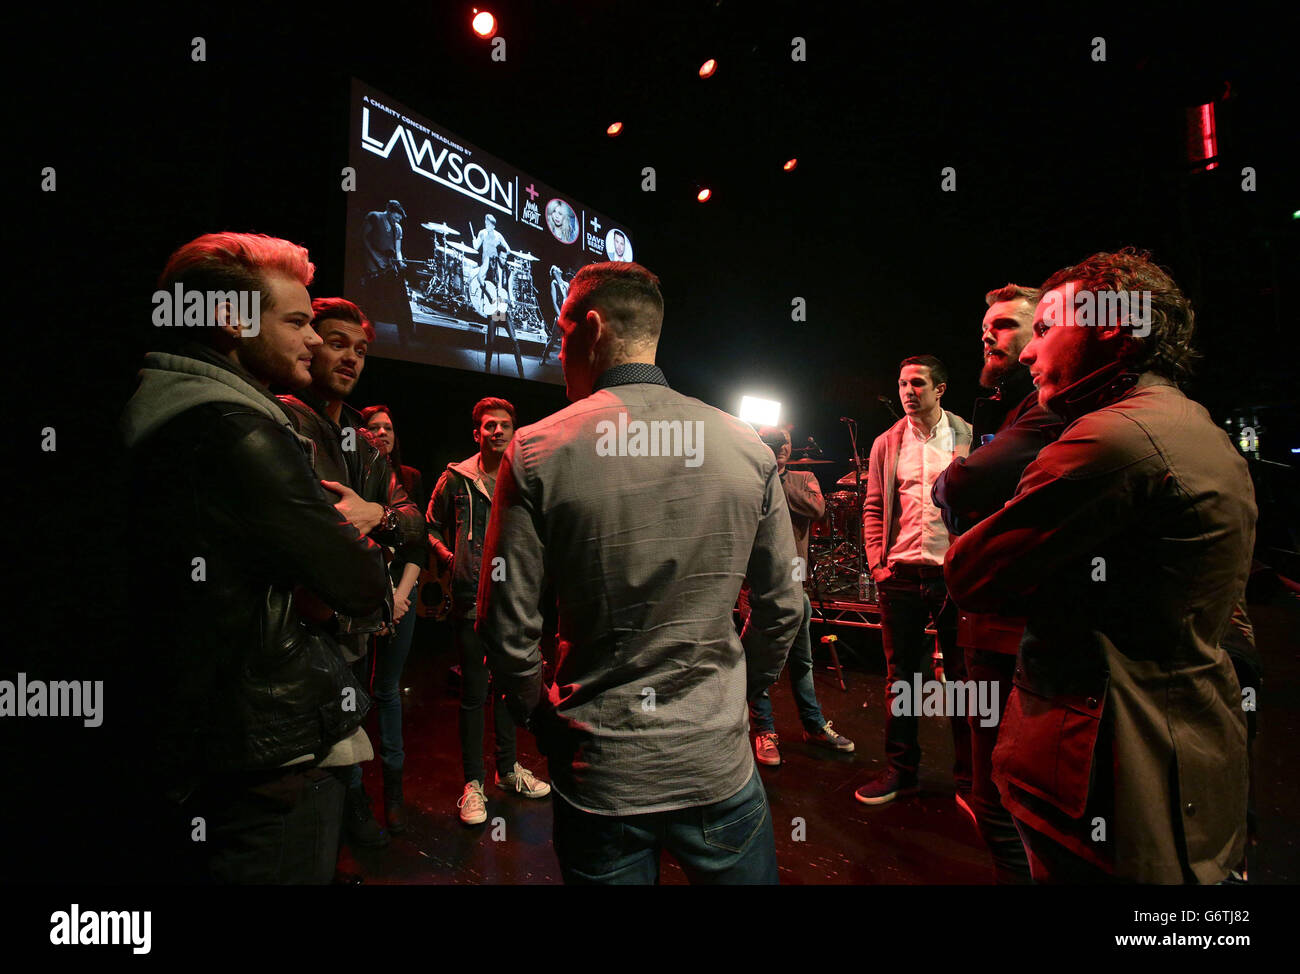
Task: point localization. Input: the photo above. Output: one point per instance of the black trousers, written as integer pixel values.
(1010, 865)
(473, 699)
(906, 606)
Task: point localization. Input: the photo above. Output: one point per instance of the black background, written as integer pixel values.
(1057, 156)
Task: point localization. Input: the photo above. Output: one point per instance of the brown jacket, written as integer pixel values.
(1127, 545)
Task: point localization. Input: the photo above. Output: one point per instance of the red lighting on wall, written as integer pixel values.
(1202, 136)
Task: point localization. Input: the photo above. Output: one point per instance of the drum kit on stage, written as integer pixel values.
(453, 283)
(835, 548)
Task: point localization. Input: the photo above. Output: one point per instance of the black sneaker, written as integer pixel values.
(827, 737)
(885, 787)
(359, 823)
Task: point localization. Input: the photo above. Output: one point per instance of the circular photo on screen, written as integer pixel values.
(561, 221)
(617, 246)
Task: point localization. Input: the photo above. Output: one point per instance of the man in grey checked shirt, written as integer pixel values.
(647, 510)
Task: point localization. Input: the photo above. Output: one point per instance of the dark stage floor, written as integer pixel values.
(918, 841)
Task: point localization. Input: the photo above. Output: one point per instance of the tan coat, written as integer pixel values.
(1127, 545)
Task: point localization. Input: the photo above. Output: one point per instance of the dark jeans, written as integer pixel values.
(473, 698)
(1010, 866)
(800, 667)
(390, 658)
(729, 842)
(906, 606)
(1051, 862)
(276, 828)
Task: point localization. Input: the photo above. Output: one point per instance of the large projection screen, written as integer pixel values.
(458, 258)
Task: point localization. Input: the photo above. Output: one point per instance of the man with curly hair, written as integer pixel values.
(1122, 753)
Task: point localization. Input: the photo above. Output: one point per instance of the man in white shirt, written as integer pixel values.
(906, 541)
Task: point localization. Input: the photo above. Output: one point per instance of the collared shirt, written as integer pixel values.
(922, 536)
(629, 373)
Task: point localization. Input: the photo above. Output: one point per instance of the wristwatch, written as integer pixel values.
(389, 520)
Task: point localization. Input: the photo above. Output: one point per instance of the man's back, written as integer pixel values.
(650, 509)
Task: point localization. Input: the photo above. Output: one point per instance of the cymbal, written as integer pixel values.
(440, 228)
(463, 248)
(848, 479)
(522, 255)
(806, 463)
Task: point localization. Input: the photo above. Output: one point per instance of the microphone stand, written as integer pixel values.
(857, 484)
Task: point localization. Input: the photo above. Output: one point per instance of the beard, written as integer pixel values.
(996, 369)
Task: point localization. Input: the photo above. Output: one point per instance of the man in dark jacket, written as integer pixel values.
(1016, 427)
(370, 495)
(458, 518)
(1122, 752)
(241, 563)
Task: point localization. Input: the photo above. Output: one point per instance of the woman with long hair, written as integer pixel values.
(390, 657)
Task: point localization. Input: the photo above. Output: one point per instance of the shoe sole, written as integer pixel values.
(524, 794)
(473, 821)
(816, 742)
(885, 799)
(768, 763)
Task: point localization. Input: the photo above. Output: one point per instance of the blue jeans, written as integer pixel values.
(389, 662)
(728, 842)
(800, 667)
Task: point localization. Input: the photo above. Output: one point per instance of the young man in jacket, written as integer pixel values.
(1122, 753)
(241, 561)
(1016, 428)
(803, 496)
(457, 522)
(905, 540)
(369, 494)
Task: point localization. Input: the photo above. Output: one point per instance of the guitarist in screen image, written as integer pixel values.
(385, 282)
(491, 292)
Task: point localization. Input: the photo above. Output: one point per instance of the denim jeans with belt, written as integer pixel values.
(728, 842)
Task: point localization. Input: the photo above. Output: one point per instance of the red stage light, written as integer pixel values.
(708, 67)
(703, 195)
(484, 24)
(1202, 136)
(614, 129)
(790, 164)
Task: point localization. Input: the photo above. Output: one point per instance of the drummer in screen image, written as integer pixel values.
(489, 243)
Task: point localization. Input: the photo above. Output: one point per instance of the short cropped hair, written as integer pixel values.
(626, 292)
(341, 309)
(484, 405)
(1013, 292)
(938, 371)
(1167, 348)
(236, 262)
(396, 207)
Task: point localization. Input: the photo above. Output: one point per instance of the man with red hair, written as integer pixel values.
(249, 699)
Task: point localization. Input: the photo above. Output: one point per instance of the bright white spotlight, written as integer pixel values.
(760, 412)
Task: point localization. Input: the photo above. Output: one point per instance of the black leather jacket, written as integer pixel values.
(235, 538)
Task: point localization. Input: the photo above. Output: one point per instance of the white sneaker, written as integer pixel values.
(524, 782)
(473, 804)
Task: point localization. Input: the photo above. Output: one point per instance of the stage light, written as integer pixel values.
(708, 67)
(1295, 215)
(703, 195)
(614, 129)
(484, 24)
(759, 412)
(1202, 137)
(790, 164)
